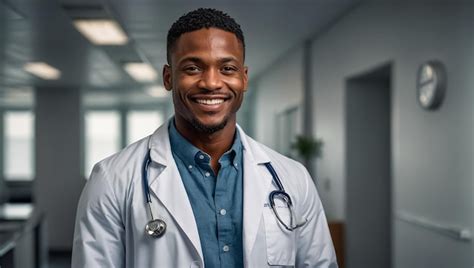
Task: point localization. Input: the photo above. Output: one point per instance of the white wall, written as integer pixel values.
(280, 88)
(432, 151)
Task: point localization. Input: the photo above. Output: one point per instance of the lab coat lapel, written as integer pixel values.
(257, 181)
(169, 188)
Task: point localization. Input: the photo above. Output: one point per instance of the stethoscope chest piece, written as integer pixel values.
(155, 228)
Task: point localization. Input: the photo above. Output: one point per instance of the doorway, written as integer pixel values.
(368, 169)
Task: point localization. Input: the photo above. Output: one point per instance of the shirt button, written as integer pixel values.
(225, 248)
(201, 156)
(207, 174)
(190, 166)
(223, 212)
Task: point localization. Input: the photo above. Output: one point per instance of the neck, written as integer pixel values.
(214, 144)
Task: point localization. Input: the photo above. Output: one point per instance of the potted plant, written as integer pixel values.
(307, 147)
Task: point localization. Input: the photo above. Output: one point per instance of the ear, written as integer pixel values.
(246, 78)
(167, 77)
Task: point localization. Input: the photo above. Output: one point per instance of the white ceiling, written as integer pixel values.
(34, 30)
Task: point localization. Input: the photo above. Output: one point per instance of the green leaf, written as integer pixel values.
(307, 147)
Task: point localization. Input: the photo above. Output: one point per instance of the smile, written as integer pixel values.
(210, 101)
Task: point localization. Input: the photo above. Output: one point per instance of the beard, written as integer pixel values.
(209, 129)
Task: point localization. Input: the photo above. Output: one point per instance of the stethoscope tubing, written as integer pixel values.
(276, 179)
(280, 192)
(146, 186)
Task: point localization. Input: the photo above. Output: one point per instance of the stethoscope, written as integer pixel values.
(157, 227)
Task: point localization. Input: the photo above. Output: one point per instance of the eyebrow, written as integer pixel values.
(199, 60)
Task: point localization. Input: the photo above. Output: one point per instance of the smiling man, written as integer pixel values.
(207, 77)
(199, 192)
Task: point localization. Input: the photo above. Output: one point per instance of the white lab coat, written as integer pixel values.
(112, 213)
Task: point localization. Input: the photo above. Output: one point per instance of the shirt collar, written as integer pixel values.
(191, 155)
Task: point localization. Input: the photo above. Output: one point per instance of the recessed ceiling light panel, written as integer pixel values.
(141, 72)
(156, 91)
(101, 31)
(42, 70)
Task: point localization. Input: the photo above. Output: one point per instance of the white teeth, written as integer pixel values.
(210, 101)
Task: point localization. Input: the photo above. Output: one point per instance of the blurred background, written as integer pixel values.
(374, 97)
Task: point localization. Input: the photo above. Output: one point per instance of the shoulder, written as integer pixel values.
(116, 175)
(281, 160)
(125, 161)
(295, 179)
(291, 172)
(293, 175)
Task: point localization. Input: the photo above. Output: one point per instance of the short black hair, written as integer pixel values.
(202, 18)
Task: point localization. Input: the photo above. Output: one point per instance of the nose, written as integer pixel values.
(211, 79)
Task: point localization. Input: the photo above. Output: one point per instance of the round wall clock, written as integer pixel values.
(431, 84)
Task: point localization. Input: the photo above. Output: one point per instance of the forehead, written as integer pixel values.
(211, 41)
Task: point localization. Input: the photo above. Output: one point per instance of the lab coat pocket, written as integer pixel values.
(281, 244)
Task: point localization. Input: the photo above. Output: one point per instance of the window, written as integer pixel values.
(287, 125)
(18, 145)
(102, 137)
(141, 124)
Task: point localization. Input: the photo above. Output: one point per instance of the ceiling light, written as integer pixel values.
(22, 92)
(156, 91)
(141, 72)
(101, 31)
(42, 70)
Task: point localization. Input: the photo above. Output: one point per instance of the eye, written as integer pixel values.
(192, 69)
(229, 69)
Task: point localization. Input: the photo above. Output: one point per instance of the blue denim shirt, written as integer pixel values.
(216, 200)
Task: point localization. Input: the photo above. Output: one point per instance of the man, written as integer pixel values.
(207, 187)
